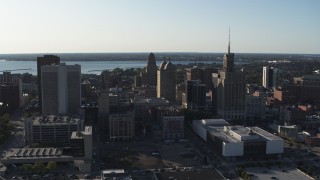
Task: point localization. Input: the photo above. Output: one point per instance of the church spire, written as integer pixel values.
(229, 42)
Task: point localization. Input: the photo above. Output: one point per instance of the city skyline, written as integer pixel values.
(166, 26)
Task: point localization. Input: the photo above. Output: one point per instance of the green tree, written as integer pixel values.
(51, 166)
(38, 167)
(28, 168)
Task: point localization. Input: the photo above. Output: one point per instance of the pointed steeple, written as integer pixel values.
(229, 42)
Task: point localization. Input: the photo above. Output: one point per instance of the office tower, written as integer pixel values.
(202, 74)
(195, 95)
(231, 90)
(152, 70)
(10, 90)
(166, 85)
(103, 109)
(270, 77)
(41, 61)
(61, 89)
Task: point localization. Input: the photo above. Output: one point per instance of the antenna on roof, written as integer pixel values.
(229, 42)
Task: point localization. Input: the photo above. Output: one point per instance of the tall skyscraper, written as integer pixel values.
(41, 61)
(61, 86)
(152, 70)
(231, 90)
(270, 77)
(166, 81)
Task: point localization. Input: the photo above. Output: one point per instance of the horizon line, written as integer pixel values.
(141, 52)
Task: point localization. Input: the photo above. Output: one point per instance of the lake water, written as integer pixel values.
(87, 67)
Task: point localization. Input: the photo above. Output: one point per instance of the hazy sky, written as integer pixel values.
(275, 26)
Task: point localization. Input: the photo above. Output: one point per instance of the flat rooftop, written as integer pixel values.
(151, 101)
(55, 119)
(87, 131)
(33, 152)
(241, 134)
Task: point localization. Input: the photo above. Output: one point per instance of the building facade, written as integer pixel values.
(61, 86)
(255, 107)
(51, 130)
(234, 142)
(121, 126)
(173, 127)
(166, 83)
(270, 77)
(42, 61)
(231, 90)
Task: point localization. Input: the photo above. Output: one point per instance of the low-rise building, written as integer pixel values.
(313, 141)
(232, 142)
(81, 143)
(288, 131)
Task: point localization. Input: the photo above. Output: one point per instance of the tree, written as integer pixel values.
(28, 168)
(38, 167)
(52, 165)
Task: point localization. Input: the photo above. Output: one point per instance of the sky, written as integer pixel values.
(89, 26)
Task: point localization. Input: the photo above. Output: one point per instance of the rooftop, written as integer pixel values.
(151, 101)
(55, 119)
(242, 134)
(33, 152)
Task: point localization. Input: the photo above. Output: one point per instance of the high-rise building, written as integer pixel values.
(41, 61)
(10, 90)
(231, 90)
(61, 86)
(152, 70)
(195, 95)
(202, 74)
(270, 77)
(166, 85)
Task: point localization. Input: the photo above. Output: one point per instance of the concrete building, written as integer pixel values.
(11, 90)
(152, 70)
(172, 127)
(270, 77)
(180, 89)
(232, 142)
(115, 174)
(121, 126)
(81, 143)
(255, 107)
(306, 87)
(202, 127)
(166, 83)
(202, 74)
(51, 130)
(143, 110)
(61, 88)
(103, 110)
(231, 90)
(42, 61)
(85, 90)
(313, 141)
(195, 95)
(288, 131)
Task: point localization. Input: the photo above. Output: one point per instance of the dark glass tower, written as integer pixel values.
(41, 61)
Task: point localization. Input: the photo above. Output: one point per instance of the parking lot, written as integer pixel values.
(276, 173)
(148, 154)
